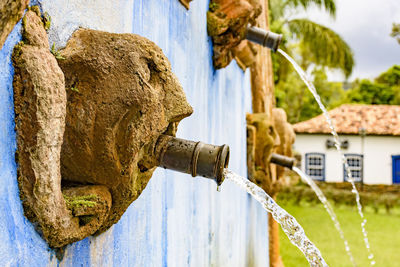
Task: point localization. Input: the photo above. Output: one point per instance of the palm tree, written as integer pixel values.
(311, 42)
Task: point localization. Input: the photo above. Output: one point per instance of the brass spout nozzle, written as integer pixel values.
(264, 38)
(282, 160)
(195, 158)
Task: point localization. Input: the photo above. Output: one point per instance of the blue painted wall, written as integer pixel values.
(178, 220)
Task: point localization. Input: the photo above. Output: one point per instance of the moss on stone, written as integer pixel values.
(73, 88)
(80, 201)
(35, 9)
(46, 21)
(23, 22)
(213, 6)
(56, 53)
(18, 48)
(215, 25)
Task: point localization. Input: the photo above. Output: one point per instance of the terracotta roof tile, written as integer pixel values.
(350, 118)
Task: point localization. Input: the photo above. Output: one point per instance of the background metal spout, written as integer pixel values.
(265, 38)
(195, 158)
(282, 160)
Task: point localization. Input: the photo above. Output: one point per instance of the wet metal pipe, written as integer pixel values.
(195, 158)
(282, 160)
(264, 38)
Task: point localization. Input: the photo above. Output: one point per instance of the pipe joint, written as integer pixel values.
(282, 160)
(265, 38)
(195, 158)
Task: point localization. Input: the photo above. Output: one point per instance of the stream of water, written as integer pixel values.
(328, 208)
(312, 89)
(289, 225)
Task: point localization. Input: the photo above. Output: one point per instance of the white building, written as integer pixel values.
(370, 138)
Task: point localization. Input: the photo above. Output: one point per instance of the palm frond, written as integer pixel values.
(328, 5)
(322, 45)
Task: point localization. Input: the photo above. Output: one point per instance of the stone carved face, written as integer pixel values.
(262, 138)
(266, 137)
(122, 95)
(82, 161)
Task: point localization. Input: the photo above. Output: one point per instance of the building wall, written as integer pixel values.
(178, 220)
(378, 151)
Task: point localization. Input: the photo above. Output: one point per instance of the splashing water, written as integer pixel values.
(312, 89)
(289, 225)
(328, 208)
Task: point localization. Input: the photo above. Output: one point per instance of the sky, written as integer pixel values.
(366, 26)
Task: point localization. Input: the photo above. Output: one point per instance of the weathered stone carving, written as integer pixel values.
(286, 135)
(245, 54)
(262, 138)
(227, 21)
(266, 135)
(11, 12)
(40, 101)
(128, 96)
(118, 96)
(185, 3)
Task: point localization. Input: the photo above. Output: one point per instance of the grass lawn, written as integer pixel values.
(383, 232)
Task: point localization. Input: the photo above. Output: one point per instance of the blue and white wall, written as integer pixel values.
(178, 220)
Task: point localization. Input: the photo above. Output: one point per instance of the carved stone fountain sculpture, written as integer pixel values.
(88, 118)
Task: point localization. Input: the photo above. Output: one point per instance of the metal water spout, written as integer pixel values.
(195, 158)
(265, 38)
(282, 160)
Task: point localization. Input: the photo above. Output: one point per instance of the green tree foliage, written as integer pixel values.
(299, 104)
(307, 41)
(391, 77)
(385, 89)
(368, 92)
(321, 46)
(396, 31)
(316, 48)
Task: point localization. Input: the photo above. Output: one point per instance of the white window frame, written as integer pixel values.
(351, 158)
(310, 165)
